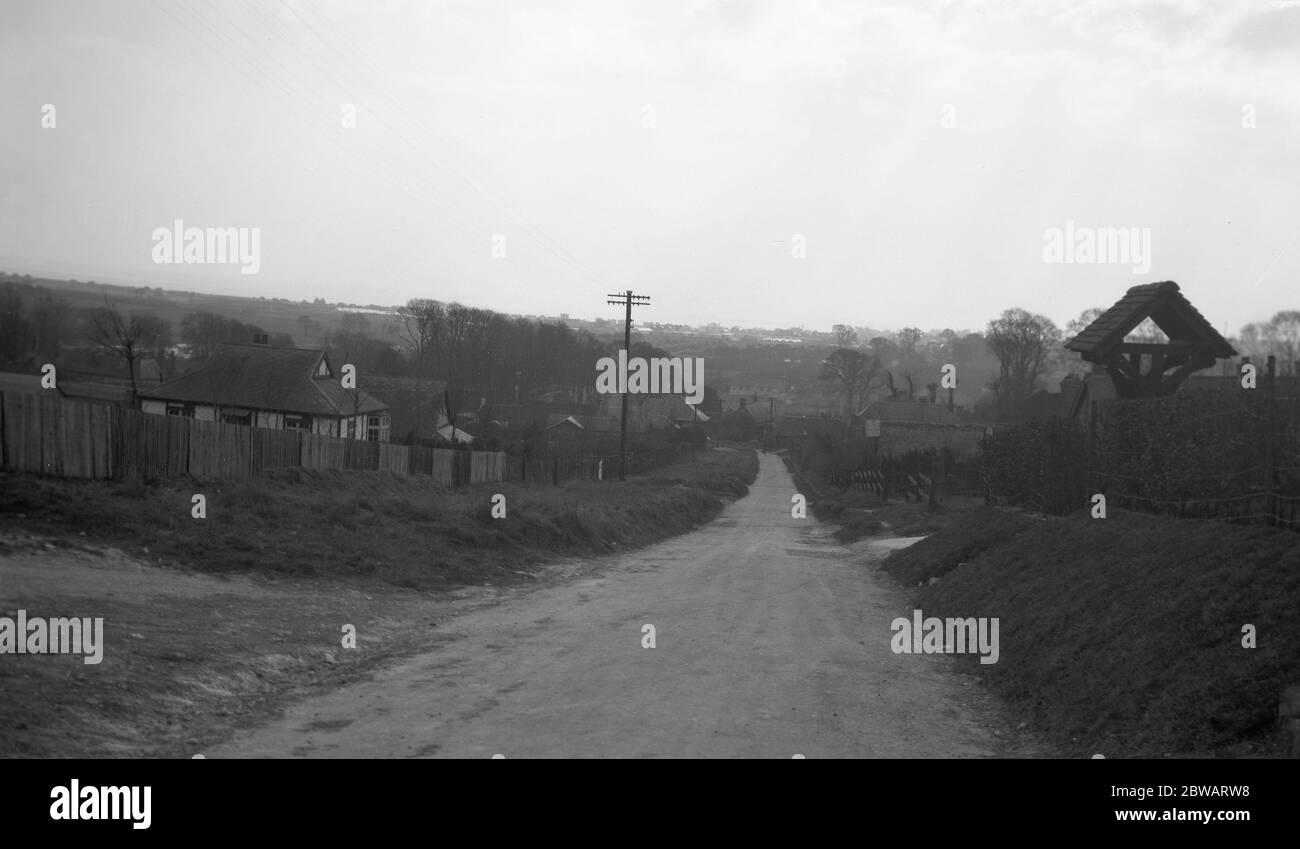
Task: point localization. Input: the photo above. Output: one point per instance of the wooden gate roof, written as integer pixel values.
(1163, 304)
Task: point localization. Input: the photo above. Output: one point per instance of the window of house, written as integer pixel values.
(372, 428)
(297, 422)
(180, 410)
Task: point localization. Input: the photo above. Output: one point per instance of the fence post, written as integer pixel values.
(1090, 453)
(1270, 443)
(934, 480)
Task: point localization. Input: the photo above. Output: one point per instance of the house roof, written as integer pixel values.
(1163, 304)
(455, 434)
(537, 412)
(20, 383)
(81, 391)
(909, 411)
(674, 408)
(76, 390)
(264, 378)
(1061, 404)
(411, 402)
(595, 424)
(1095, 387)
(565, 420)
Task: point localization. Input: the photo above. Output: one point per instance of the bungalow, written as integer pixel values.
(277, 388)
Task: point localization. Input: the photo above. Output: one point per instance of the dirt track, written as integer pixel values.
(771, 641)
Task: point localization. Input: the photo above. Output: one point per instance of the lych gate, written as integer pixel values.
(1193, 343)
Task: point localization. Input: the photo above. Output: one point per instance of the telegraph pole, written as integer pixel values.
(629, 300)
(771, 420)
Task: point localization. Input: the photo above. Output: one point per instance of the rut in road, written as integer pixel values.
(771, 641)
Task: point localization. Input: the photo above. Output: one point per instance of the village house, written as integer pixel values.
(277, 388)
(416, 407)
(647, 413)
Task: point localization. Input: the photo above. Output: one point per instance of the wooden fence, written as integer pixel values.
(50, 435)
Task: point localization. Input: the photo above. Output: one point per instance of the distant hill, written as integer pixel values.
(274, 315)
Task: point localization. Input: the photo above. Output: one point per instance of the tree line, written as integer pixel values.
(1026, 346)
(475, 352)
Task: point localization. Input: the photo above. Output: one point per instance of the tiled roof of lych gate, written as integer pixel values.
(1166, 306)
(265, 378)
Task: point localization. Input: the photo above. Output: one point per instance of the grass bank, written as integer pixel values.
(374, 526)
(1124, 636)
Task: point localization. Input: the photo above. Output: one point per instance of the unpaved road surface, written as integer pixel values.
(770, 640)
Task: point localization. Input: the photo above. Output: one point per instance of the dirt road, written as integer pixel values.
(771, 640)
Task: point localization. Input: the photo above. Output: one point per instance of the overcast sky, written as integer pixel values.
(915, 153)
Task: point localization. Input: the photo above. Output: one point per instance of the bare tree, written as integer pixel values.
(907, 339)
(1279, 336)
(845, 336)
(1076, 325)
(1284, 330)
(422, 322)
(852, 374)
(1022, 342)
(129, 338)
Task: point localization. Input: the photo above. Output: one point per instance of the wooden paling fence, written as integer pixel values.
(50, 435)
